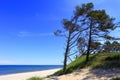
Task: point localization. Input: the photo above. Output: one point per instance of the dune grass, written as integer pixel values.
(35, 78)
(101, 60)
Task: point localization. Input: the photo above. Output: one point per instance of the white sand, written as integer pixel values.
(26, 75)
(87, 74)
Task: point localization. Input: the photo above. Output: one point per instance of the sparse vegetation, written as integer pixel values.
(35, 78)
(101, 60)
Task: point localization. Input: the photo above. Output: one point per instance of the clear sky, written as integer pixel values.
(27, 26)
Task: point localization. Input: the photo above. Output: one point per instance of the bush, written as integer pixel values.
(35, 78)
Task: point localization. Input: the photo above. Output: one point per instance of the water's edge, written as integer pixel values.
(12, 69)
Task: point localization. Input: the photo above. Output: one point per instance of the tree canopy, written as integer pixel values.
(84, 30)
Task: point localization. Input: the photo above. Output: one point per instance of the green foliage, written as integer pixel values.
(83, 9)
(96, 24)
(35, 78)
(111, 46)
(101, 60)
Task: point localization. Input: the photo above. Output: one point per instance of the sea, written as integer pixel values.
(11, 69)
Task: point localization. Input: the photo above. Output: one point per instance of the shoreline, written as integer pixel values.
(26, 75)
(26, 72)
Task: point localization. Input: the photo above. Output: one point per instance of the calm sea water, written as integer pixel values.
(10, 69)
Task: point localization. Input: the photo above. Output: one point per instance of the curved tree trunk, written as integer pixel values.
(66, 53)
(89, 43)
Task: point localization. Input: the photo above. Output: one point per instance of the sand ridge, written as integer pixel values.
(89, 74)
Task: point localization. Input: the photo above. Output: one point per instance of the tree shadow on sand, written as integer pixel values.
(102, 73)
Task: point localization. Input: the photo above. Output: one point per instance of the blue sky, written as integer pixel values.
(27, 26)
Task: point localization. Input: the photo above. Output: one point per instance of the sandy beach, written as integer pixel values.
(26, 75)
(83, 74)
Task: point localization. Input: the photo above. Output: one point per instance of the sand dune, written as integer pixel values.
(88, 74)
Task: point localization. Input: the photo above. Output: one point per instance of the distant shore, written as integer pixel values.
(26, 75)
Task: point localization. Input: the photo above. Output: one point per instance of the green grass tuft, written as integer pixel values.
(35, 78)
